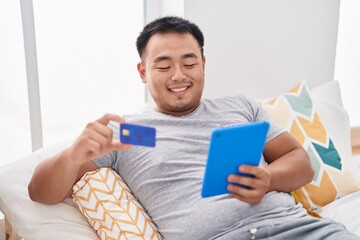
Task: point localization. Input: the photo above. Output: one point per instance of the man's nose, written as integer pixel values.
(178, 75)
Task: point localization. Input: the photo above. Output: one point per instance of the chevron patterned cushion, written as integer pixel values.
(333, 179)
(110, 207)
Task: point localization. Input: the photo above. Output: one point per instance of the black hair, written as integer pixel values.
(167, 25)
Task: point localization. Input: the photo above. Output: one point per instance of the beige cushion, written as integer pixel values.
(333, 178)
(110, 207)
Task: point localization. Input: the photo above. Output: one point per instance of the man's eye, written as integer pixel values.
(163, 68)
(190, 65)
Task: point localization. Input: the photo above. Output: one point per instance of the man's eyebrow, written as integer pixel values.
(161, 58)
(189, 55)
(164, 58)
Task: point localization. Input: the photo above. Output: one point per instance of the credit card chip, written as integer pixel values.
(126, 132)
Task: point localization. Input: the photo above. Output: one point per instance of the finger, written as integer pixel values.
(255, 171)
(245, 192)
(248, 169)
(97, 132)
(92, 149)
(240, 191)
(102, 139)
(104, 131)
(243, 180)
(100, 128)
(262, 176)
(100, 143)
(110, 117)
(117, 145)
(99, 147)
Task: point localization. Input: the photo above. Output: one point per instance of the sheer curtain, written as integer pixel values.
(347, 67)
(86, 62)
(14, 115)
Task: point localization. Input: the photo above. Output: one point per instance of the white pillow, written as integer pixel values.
(33, 220)
(328, 104)
(345, 210)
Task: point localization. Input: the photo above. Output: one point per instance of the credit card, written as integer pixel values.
(137, 135)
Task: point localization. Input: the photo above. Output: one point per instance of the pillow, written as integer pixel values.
(110, 207)
(328, 103)
(333, 178)
(36, 221)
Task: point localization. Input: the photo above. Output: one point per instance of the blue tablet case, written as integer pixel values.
(229, 148)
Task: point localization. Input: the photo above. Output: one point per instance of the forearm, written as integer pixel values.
(288, 169)
(53, 179)
(291, 171)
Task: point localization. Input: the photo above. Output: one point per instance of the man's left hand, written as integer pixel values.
(256, 187)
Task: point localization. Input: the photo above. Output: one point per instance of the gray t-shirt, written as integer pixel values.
(167, 179)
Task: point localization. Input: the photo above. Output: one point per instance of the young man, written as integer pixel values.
(167, 179)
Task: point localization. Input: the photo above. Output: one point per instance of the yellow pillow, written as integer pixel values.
(333, 179)
(110, 207)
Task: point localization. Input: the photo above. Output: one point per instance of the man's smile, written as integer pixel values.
(178, 89)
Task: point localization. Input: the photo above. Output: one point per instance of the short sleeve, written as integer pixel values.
(260, 114)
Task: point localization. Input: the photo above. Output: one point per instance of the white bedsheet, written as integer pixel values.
(346, 211)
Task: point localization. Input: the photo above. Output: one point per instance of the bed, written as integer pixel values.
(31, 220)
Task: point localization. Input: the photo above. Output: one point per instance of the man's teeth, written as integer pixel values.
(178, 89)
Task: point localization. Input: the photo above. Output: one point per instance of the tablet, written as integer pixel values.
(229, 148)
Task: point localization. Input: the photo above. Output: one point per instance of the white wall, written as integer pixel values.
(262, 47)
(160, 8)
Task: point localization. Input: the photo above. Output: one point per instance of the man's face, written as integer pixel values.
(173, 70)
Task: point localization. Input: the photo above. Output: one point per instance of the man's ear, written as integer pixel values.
(141, 70)
(203, 62)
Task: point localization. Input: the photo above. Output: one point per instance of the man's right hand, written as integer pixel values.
(96, 140)
(54, 177)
